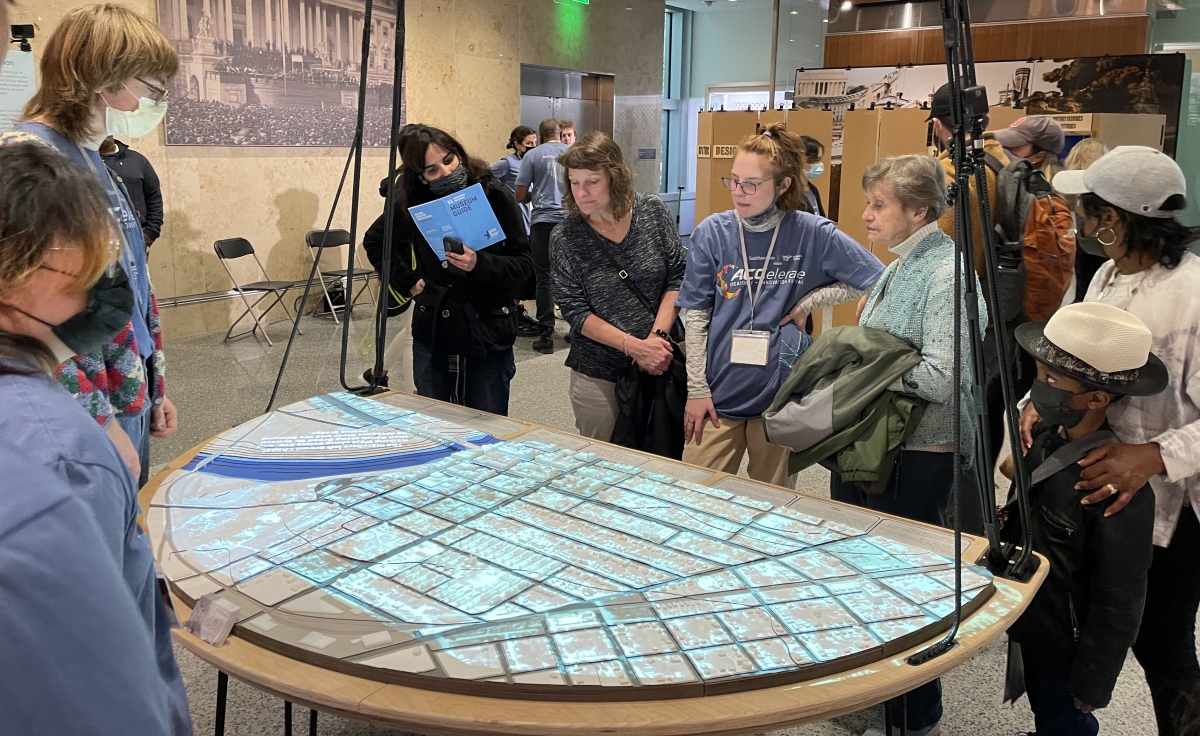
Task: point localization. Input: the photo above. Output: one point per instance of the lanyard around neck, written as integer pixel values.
(751, 292)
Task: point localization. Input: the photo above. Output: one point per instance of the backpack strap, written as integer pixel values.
(1070, 453)
(993, 163)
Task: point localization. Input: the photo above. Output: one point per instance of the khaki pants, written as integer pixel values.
(722, 449)
(594, 402)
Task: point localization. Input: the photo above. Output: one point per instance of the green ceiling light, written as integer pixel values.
(569, 37)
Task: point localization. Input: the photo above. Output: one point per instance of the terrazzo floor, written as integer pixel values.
(216, 386)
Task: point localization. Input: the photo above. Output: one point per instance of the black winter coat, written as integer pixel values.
(135, 172)
(458, 313)
(1090, 608)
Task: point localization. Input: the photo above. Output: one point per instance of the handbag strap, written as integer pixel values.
(622, 273)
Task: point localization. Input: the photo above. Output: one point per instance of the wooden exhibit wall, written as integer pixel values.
(1045, 39)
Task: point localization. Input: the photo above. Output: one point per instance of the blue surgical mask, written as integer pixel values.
(816, 170)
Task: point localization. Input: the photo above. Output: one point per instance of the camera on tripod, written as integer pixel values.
(975, 102)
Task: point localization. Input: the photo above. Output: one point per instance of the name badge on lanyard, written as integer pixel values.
(753, 347)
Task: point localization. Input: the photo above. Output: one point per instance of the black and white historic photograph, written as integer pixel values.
(278, 72)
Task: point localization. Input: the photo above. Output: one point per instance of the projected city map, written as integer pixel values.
(404, 540)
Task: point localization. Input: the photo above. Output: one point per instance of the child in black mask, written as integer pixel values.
(1071, 643)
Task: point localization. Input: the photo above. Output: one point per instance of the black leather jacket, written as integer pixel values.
(1090, 607)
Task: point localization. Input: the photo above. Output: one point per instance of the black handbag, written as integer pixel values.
(650, 408)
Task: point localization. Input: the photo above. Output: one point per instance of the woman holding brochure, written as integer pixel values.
(465, 324)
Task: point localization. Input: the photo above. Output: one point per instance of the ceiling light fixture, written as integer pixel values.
(847, 5)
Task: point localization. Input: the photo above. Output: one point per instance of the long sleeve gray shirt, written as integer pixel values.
(586, 283)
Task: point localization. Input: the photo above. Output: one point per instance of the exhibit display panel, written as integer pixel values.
(379, 538)
(423, 566)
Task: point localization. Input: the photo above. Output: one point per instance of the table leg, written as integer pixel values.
(287, 718)
(222, 688)
(312, 723)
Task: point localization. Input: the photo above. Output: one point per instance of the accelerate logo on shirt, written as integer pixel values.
(726, 279)
(723, 283)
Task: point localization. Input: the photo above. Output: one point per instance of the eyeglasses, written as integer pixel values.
(157, 94)
(747, 187)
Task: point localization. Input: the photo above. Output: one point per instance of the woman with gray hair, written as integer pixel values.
(914, 300)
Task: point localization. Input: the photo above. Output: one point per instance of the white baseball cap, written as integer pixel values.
(1137, 179)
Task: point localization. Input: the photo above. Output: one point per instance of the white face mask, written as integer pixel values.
(135, 124)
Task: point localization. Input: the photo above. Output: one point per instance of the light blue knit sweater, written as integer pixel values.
(917, 305)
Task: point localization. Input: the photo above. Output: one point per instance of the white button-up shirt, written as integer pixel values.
(1168, 301)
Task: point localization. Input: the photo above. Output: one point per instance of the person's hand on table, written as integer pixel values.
(164, 420)
(124, 445)
(1029, 420)
(695, 414)
(653, 355)
(465, 260)
(1118, 470)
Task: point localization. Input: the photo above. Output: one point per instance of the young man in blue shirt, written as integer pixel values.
(540, 182)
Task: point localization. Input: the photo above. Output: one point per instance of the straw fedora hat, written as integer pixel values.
(1098, 344)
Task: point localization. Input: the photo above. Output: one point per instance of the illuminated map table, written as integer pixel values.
(421, 565)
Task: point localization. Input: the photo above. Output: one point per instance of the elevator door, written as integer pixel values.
(584, 113)
(584, 99)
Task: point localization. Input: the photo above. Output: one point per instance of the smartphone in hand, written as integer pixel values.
(452, 245)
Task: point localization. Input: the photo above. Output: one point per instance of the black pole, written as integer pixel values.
(389, 207)
(353, 156)
(356, 188)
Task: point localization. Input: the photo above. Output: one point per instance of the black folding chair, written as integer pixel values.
(233, 248)
(335, 239)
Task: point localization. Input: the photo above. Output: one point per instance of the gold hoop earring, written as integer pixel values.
(1101, 240)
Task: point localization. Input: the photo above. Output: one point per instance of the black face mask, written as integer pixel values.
(450, 183)
(1054, 405)
(110, 304)
(1090, 244)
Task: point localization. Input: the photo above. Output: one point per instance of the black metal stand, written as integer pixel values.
(287, 720)
(889, 724)
(969, 108)
(355, 157)
(222, 700)
(222, 691)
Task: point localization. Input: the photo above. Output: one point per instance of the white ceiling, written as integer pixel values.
(721, 6)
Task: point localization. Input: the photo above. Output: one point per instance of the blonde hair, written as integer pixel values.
(597, 152)
(1050, 166)
(1085, 153)
(785, 153)
(96, 47)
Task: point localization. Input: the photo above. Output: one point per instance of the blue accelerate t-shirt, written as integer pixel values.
(542, 174)
(810, 252)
